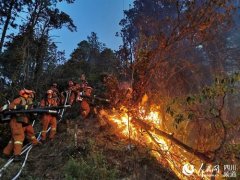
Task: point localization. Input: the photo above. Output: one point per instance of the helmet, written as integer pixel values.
(49, 91)
(26, 91)
(29, 91)
(88, 87)
(88, 91)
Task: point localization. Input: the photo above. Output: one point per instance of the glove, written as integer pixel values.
(21, 107)
(5, 107)
(18, 107)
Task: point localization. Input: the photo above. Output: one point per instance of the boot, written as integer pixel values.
(43, 141)
(17, 158)
(5, 156)
(37, 143)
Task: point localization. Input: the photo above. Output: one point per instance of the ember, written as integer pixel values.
(184, 164)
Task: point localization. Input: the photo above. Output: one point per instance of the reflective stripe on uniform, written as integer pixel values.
(53, 129)
(33, 137)
(44, 131)
(18, 142)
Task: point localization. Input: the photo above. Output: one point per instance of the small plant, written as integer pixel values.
(94, 166)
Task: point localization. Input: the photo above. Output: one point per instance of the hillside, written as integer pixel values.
(99, 154)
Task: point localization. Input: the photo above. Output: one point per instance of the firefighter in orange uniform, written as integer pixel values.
(84, 98)
(49, 119)
(84, 95)
(72, 90)
(84, 82)
(19, 124)
(56, 94)
(29, 128)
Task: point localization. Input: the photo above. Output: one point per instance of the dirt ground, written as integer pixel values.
(48, 161)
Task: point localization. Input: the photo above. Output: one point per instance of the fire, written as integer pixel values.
(151, 117)
(123, 123)
(161, 142)
(163, 149)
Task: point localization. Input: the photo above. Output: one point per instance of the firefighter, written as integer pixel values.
(109, 88)
(72, 89)
(29, 131)
(48, 119)
(54, 87)
(84, 82)
(19, 125)
(84, 99)
(56, 94)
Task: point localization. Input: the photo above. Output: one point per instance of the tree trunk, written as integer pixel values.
(28, 39)
(39, 65)
(9, 15)
(189, 149)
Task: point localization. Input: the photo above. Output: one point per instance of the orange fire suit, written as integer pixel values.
(19, 125)
(49, 119)
(84, 101)
(56, 94)
(73, 89)
(84, 108)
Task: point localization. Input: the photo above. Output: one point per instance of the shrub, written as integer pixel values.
(94, 166)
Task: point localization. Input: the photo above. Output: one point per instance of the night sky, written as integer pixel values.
(100, 16)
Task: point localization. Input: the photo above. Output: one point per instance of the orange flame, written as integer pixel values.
(163, 149)
(165, 152)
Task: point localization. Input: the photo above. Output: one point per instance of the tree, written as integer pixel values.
(92, 58)
(168, 39)
(8, 13)
(94, 42)
(108, 62)
(82, 52)
(95, 47)
(179, 49)
(33, 41)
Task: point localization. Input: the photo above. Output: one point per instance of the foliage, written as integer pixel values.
(31, 53)
(94, 166)
(9, 11)
(211, 112)
(211, 97)
(174, 43)
(92, 58)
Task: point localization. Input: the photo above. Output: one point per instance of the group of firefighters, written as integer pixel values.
(20, 123)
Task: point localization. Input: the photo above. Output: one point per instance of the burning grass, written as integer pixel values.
(143, 127)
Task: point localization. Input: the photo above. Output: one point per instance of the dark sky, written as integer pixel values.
(100, 16)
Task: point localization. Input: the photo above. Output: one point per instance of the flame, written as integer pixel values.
(144, 99)
(162, 149)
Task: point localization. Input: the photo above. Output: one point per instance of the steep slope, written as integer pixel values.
(95, 153)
